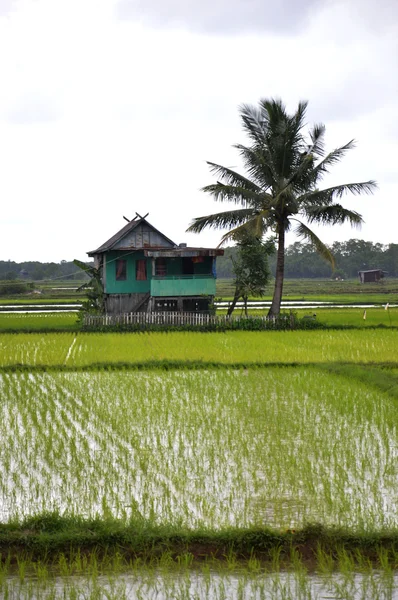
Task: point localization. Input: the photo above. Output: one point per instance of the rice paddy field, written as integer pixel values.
(201, 432)
(207, 449)
(77, 350)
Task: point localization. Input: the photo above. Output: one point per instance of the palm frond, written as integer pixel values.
(285, 141)
(233, 193)
(273, 112)
(231, 177)
(255, 226)
(317, 134)
(305, 232)
(331, 159)
(299, 117)
(332, 215)
(229, 218)
(327, 196)
(254, 122)
(258, 164)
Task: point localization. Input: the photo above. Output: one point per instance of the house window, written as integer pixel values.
(140, 270)
(187, 266)
(160, 267)
(121, 270)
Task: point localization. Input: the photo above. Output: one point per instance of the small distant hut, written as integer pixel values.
(371, 276)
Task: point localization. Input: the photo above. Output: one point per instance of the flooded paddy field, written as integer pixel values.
(277, 447)
(161, 584)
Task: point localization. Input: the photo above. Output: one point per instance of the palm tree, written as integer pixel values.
(280, 189)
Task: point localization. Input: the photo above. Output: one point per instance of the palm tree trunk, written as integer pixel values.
(279, 275)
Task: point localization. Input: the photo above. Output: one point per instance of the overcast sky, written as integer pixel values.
(108, 107)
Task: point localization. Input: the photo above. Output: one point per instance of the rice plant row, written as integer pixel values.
(276, 447)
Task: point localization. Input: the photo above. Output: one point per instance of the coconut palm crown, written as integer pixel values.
(284, 168)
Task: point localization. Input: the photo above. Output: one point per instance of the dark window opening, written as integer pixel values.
(160, 267)
(140, 270)
(195, 305)
(121, 270)
(166, 305)
(187, 265)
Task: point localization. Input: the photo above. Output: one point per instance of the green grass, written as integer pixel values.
(340, 317)
(38, 322)
(375, 317)
(263, 347)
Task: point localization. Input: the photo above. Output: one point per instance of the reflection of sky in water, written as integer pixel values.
(154, 585)
(274, 447)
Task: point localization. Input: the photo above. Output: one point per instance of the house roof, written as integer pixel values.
(131, 225)
(154, 250)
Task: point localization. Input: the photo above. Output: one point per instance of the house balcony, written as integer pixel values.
(183, 285)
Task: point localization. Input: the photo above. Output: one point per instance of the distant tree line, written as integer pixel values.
(303, 261)
(36, 271)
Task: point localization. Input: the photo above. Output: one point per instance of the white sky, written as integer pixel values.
(108, 107)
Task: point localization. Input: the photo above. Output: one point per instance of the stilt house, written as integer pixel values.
(143, 270)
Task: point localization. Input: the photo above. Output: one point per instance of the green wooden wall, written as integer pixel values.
(174, 269)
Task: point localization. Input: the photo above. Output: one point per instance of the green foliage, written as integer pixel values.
(94, 290)
(8, 288)
(250, 268)
(37, 271)
(302, 260)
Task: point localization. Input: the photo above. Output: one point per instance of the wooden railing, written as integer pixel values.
(181, 319)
